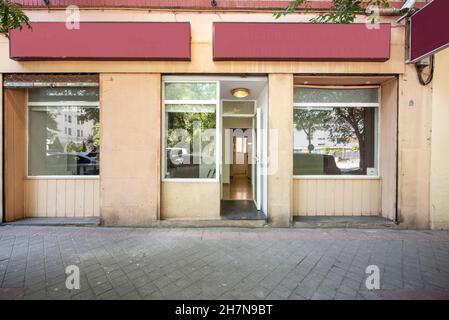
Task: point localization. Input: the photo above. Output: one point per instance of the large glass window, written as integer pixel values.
(190, 130)
(335, 131)
(63, 132)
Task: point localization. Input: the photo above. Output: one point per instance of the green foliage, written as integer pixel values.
(343, 125)
(91, 114)
(191, 91)
(185, 121)
(342, 11)
(75, 148)
(96, 135)
(56, 146)
(12, 17)
(70, 146)
(326, 149)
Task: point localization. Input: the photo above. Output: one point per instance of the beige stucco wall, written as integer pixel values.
(439, 176)
(280, 148)
(1, 148)
(130, 116)
(201, 47)
(190, 200)
(415, 118)
(15, 149)
(388, 147)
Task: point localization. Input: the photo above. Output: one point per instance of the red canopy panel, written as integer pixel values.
(429, 30)
(300, 41)
(102, 41)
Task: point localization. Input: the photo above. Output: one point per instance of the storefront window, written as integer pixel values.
(335, 131)
(190, 130)
(63, 132)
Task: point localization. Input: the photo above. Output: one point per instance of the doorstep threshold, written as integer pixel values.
(211, 223)
(361, 222)
(60, 221)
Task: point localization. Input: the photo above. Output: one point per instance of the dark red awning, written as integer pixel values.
(300, 41)
(102, 41)
(429, 30)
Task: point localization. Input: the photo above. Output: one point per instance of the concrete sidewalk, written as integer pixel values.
(222, 263)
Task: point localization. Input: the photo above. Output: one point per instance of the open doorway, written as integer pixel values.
(243, 121)
(211, 123)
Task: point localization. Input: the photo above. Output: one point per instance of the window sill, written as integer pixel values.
(62, 178)
(189, 180)
(335, 177)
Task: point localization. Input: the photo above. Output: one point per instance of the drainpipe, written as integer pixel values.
(405, 11)
(387, 12)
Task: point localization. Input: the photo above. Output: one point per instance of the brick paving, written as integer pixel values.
(127, 263)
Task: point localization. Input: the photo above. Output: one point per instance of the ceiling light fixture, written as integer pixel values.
(240, 92)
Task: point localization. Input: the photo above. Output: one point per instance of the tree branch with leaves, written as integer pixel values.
(12, 17)
(341, 11)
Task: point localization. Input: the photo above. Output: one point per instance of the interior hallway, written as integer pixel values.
(240, 188)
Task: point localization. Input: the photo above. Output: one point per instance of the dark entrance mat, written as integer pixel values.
(240, 210)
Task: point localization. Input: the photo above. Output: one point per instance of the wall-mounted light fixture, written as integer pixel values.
(240, 92)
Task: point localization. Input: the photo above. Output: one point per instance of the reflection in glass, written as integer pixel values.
(329, 95)
(238, 108)
(190, 91)
(190, 141)
(63, 94)
(58, 146)
(335, 141)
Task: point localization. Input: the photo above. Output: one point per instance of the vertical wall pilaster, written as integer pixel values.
(280, 149)
(130, 118)
(1, 148)
(439, 173)
(15, 152)
(414, 139)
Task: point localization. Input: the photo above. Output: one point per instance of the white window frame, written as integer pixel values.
(215, 102)
(63, 103)
(316, 105)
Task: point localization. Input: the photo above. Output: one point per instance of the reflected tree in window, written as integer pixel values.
(186, 122)
(190, 91)
(348, 129)
(92, 142)
(309, 121)
(55, 144)
(190, 153)
(346, 124)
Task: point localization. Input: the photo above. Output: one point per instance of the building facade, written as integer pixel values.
(144, 113)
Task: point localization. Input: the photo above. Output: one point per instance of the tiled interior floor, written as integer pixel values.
(240, 188)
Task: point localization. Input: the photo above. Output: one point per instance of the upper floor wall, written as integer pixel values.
(201, 46)
(185, 4)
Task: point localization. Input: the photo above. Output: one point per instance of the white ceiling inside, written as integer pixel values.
(255, 87)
